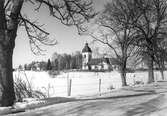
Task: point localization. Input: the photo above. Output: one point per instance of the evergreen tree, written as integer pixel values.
(49, 65)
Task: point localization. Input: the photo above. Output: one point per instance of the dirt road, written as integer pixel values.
(128, 106)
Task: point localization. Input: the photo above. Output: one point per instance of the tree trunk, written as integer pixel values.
(123, 78)
(150, 71)
(8, 32)
(162, 68)
(162, 74)
(123, 73)
(6, 76)
(7, 95)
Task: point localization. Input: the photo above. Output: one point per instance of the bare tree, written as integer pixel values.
(69, 12)
(150, 26)
(161, 55)
(114, 31)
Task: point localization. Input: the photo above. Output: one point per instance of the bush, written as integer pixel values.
(53, 73)
(24, 89)
(141, 69)
(110, 87)
(129, 70)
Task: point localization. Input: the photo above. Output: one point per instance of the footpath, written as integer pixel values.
(129, 91)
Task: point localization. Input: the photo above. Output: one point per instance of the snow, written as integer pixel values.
(5, 110)
(83, 83)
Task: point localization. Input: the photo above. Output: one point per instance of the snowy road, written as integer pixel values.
(129, 106)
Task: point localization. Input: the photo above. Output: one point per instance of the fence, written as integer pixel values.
(75, 87)
(80, 84)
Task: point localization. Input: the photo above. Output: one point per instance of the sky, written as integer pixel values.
(68, 39)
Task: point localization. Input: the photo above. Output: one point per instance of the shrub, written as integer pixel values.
(53, 73)
(24, 89)
(110, 87)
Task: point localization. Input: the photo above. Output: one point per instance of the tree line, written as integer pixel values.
(57, 62)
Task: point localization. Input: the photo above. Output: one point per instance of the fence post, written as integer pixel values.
(156, 77)
(69, 84)
(100, 86)
(134, 80)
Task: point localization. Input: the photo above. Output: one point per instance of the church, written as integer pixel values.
(89, 63)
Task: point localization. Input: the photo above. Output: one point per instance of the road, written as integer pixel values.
(145, 105)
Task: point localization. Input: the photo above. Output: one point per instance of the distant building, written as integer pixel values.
(144, 62)
(89, 63)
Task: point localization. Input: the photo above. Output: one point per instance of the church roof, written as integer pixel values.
(97, 61)
(86, 48)
(114, 61)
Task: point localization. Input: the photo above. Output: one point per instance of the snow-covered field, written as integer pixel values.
(82, 83)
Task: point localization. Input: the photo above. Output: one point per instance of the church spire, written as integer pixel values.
(86, 48)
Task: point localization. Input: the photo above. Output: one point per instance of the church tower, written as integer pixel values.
(86, 57)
